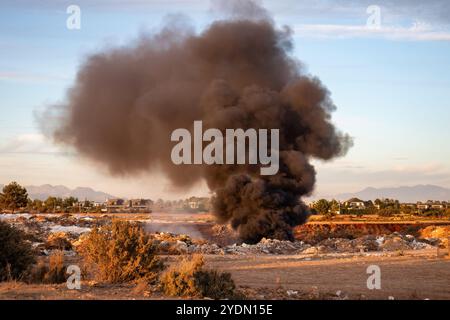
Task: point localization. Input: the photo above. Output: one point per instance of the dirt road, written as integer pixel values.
(414, 275)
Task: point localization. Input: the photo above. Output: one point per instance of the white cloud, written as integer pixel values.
(419, 31)
(30, 77)
(28, 143)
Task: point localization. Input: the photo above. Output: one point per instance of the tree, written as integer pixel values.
(69, 202)
(322, 206)
(379, 203)
(335, 206)
(53, 203)
(14, 196)
(36, 204)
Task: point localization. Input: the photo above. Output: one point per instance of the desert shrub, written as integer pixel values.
(432, 213)
(215, 284)
(53, 272)
(188, 278)
(329, 215)
(16, 254)
(120, 252)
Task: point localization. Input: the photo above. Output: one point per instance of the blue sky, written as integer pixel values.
(390, 85)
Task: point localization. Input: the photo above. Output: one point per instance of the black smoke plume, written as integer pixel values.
(237, 73)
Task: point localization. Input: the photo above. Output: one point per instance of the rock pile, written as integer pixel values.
(265, 246)
(392, 242)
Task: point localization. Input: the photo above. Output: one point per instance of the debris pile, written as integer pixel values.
(436, 235)
(392, 242)
(48, 232)
(171, 243)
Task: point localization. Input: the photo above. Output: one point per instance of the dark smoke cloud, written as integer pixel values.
(236, 74)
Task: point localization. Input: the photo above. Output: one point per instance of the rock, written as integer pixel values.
(80, 240)
(291, 292)
(311, 250)
(432, 241)
(417, 245)
(367, 243)
(164, 245)
(395, 243)
(58, 241)
(181, 246)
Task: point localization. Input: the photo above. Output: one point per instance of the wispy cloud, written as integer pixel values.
(29, 143)
(419, 31)
(30, 77)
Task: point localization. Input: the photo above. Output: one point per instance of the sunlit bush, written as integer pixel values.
(189, 278)
(120, 252)
(53, 272)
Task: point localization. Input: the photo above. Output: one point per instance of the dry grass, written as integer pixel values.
(53, 272)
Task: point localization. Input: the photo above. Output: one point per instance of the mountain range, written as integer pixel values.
(82, 193)
(403, 194)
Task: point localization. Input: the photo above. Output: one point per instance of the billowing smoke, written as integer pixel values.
(237, 73)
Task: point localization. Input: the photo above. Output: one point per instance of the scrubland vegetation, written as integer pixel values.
(16, 254)
(189, 278)
(120, 252)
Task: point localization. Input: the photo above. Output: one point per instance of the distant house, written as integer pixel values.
(115, 205)
(438, 205)
(423, 206)
(133, 205)
(198, 203)
(140, 205)
(194, 204)
(355, 203)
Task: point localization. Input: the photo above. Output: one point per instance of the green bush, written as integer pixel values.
(432, 213)
(121, 252)
(16, 254)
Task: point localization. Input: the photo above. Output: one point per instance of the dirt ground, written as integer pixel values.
(418, 274)
(409, 275)
(412, 275)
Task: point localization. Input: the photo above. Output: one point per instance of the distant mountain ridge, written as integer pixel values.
(403, 193)
(82, 193)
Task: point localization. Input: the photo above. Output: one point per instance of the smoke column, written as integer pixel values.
(237, 73)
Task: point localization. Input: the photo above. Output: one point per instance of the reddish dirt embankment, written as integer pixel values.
(314, 232)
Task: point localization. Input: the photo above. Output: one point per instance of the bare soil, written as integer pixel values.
(419, 274)
(408, 275)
